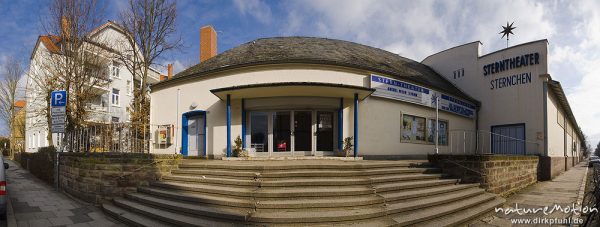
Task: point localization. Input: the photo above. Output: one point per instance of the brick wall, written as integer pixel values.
(500, 174)
(94, 177)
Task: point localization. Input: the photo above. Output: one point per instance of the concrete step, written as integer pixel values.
(198, 197)
(405, 177)
(403, 185)
(217, 173)
(346, 173)
(268, 182)
(266, 192)
(466, 215)
(299, 164)
(313, 181)
(170, 217)
(211, 180)
(317, 215)
(302, 172)
(434, 200)
(131, 218)
(178, 206)
(418, 193)
(266, 203)
(421, 215)
(319, 202)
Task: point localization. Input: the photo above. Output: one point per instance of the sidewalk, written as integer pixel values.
(564, 190)
(35, 203)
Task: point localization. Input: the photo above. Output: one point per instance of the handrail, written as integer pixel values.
(474, 141)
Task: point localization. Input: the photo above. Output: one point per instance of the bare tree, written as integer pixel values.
(76, 60)
(150, 25)
(11, 73)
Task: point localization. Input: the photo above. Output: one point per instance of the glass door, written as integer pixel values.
(324, 131)
(302, 131)
(282, 131)
(259, 132)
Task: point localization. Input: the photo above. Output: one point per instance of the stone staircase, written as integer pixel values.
(303, 192)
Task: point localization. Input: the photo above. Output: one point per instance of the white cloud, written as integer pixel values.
(416, 29)
(255, 8)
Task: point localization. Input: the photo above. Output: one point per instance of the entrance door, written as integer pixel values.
(259, 132)
(324, 131)
(302, 131)
(196, 135)
(282, 132)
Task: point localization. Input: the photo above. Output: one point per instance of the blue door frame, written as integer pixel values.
(184, 130)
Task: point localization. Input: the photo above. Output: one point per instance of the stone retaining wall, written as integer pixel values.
(500, 174)
(94, 177)
(551, 167)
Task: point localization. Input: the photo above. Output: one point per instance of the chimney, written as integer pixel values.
(65, 27)
(163, 77)
(208, 43)
(169, 71)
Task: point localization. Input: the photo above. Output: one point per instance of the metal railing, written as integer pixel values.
(116, 137)
(485, 142)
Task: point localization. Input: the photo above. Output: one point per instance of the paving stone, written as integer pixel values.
(80, 218)
(79, 225)
(61, 221)
(562, 190)
(22, 224)
(63, 213)
(96, 215)
(48, 208)
(37, 204)
(45, 214)
(40, 223)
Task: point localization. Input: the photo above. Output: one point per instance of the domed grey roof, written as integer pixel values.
(323, 51)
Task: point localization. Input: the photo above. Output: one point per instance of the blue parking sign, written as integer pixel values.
(59, 98)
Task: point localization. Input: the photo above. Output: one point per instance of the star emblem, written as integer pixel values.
(507, 30)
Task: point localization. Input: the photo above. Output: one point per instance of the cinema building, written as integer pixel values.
(301, 96)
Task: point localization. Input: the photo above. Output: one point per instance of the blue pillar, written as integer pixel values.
(228, 125)
(355, 125)
(341, 125)
(243, 125)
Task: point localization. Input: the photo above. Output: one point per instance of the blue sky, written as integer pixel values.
(414, 29)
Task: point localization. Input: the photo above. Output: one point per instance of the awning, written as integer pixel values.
(306, 89)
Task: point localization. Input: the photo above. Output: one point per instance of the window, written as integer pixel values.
(129, 87)
(413, 128)
(458, 73)
(115, 97)
(442, 136)
(115, 70)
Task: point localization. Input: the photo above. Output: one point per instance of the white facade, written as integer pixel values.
(379, 118)
(512, 95)
(510, 85)
(111, 104)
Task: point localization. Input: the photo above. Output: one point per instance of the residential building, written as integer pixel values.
(112, 101)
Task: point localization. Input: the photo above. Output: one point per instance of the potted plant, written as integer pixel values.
(348, 145)
(238, 151)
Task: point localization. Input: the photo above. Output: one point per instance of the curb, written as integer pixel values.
(10, 214)
(581, 192)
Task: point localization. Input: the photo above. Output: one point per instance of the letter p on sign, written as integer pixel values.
(59, 98)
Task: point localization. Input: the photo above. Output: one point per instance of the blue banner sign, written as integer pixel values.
(394, 89)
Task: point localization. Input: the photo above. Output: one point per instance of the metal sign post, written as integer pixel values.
(58, 108)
